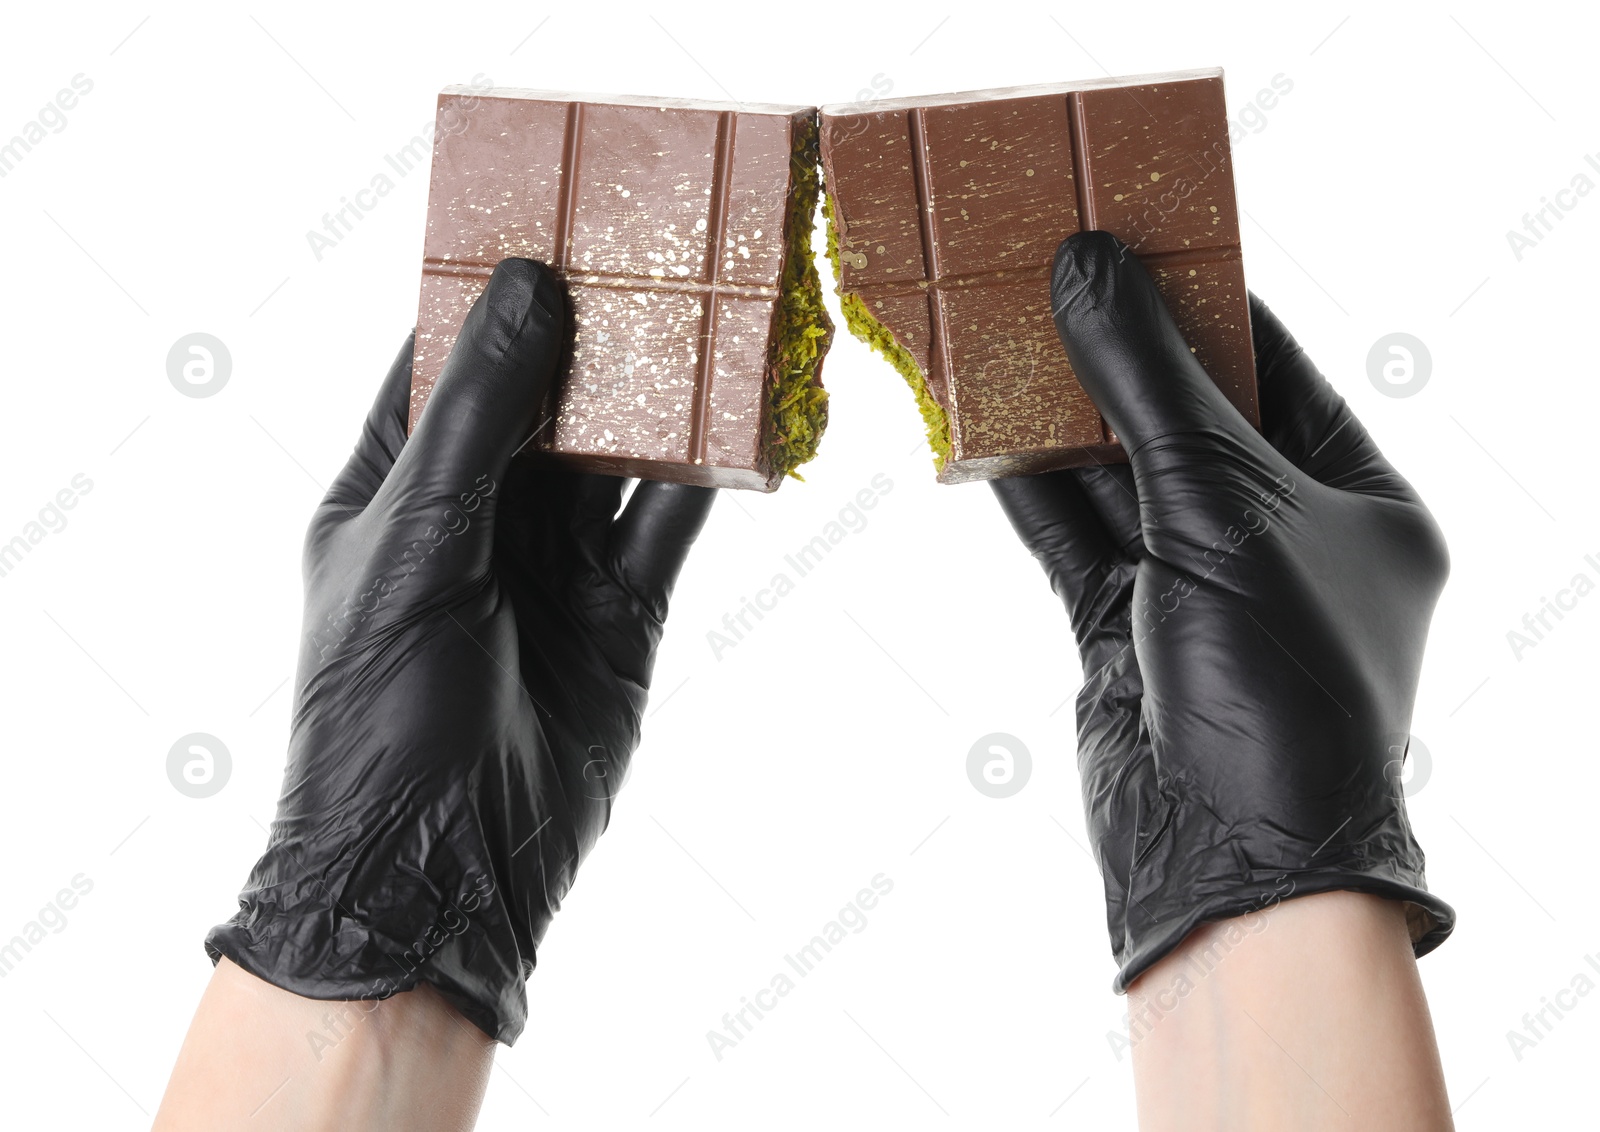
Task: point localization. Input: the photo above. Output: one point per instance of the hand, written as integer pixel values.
(478, 640)
(1250, 609)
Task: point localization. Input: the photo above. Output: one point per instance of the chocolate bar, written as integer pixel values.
(683, 232)
(944, 214)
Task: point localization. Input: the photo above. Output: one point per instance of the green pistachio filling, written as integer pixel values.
(799, 403)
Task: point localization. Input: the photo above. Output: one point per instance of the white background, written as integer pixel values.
(831, 744)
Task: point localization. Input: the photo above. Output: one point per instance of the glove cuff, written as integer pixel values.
(1148, 939)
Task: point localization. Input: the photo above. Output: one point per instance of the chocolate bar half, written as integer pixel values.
(683, 232)
(944, 214)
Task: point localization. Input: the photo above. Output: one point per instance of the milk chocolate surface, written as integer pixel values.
(947, 212)
(668, 221)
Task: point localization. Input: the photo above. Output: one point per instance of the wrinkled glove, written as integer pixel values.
(1250, 610)
(478, 640)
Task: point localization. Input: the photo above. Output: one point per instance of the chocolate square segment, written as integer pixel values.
(947, 212)
(641, 210)
(1158, 168)
(752, 252)
(1009, 374)
(1000, 183)
(885, 243)
(671, 224)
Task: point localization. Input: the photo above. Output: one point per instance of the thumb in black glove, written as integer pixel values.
(1250, 609)
(478, 639)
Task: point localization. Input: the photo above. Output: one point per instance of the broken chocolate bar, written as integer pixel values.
(683, 232)
(944, 214)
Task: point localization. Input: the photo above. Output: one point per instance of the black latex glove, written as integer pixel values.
(1250, 609)
(478, 639)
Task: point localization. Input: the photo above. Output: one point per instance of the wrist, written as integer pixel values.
(261, 1057)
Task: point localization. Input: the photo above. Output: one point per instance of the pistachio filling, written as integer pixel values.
(799, 404)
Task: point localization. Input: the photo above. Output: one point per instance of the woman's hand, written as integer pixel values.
(478, 641)
(1250, 609)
